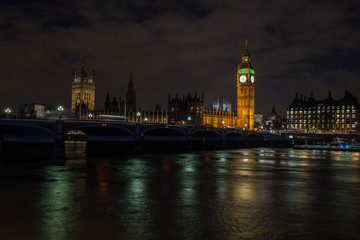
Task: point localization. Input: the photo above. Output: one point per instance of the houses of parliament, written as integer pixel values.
(191, 108)
(187, 109)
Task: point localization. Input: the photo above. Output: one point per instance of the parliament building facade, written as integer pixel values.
(191, 109)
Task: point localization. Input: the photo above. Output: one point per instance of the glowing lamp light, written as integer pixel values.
(60, 108)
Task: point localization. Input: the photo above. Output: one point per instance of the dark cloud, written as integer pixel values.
(178, 47)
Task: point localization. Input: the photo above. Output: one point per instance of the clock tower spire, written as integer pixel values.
(246, 91)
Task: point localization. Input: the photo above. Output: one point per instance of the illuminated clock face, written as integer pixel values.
(252, 79)
(243, 78)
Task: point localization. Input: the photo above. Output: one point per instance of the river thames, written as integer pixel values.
(257, 193)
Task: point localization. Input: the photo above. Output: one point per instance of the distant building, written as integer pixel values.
(259, 117)
(32, 110)
(130, 101)
(83, 92)
(65, 114)
(329, 115)
(127, 111)
(186, 109)
(272, 121)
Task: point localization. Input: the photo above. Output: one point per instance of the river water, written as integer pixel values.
(258, 193)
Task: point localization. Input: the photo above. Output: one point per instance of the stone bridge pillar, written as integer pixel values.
(188, 139)
(59, 148)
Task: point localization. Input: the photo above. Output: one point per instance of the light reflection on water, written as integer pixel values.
(233, 194)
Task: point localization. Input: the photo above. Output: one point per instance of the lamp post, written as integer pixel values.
(90, 115)
(223, 123)
(146, 119)
(138, 114)
(189, 120)
(7, 112)
(60, 110)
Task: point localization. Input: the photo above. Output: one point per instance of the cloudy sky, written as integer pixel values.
(178, 47)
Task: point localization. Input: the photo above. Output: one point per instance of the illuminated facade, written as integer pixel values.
(83, 92)
(329, 115)
(246, 92)
(245, 84)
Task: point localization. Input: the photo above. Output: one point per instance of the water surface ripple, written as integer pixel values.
(259, 193)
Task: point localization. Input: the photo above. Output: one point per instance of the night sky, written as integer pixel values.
(178, 47)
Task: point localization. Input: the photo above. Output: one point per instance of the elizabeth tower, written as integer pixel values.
(246, 92)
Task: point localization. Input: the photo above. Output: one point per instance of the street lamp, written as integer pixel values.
(60, 110)
(90, 115)
(189, 119)
(223, 123)
(138, 114)
(7, 112)
(146, 119)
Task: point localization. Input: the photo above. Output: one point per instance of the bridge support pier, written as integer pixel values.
(59, 146)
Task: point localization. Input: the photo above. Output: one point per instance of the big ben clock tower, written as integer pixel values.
(246, 92)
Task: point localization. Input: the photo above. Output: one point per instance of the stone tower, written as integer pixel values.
(130, 97)
(83, 92)
(246, 92)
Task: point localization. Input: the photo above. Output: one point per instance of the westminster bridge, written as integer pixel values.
(31, 138)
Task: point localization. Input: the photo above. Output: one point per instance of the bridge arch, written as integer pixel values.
(104, 138)
(206, 139)
(28, 140)
(205, 133)
(164, 139)
(234, 139)
(22, 132)
(165, 133)
(104, 132)
(234, 134)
